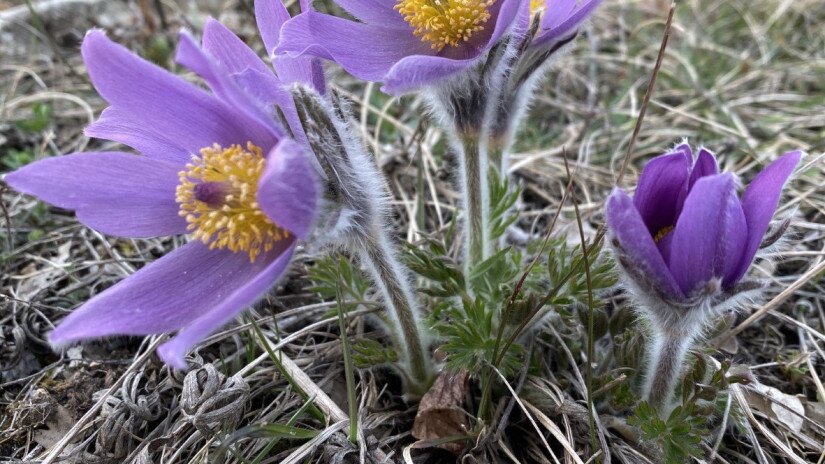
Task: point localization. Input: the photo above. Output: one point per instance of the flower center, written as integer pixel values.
(217, 196)
(445, 22)
(662, 233)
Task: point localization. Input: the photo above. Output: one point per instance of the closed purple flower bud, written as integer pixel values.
(686, 233)
(685, 241)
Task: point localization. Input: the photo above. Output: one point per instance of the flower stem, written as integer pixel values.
(391, 280)
(474, 180)
(665, 363)
(349, 369)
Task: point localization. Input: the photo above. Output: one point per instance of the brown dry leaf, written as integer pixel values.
(778, 405)
(440, 413)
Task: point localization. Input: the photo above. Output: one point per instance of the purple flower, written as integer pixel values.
(686, 233)
(405, 44)
(211, 164)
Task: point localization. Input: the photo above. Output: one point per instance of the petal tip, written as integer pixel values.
(172, 355)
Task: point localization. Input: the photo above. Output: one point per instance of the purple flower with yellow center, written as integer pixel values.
(214, 165)
(405, 44)
(687, 230)
(685, 241)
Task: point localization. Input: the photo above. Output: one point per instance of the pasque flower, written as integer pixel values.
(404, 44)
(214, 164)
(685, 241)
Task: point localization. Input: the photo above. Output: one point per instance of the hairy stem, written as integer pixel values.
(391, 280)
(474, 164)
(665, 364)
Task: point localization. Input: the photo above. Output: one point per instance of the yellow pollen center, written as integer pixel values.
(662, 233)
(445, 22)
(217, 196)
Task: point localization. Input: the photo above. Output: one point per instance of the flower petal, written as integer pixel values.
(697, 252)
(505, 13)
(562, 18)
(271, 16)
(235, 300)
(151, 97)
(288, 190)
(116, 193)
(635, 239)
(366, 51)
(120, 126)
(413, 72)
(735, 240)
(759, 203)
(259, 125)
(662, 183)
(229, 50)
(705, 165)
(178, 289)
(375, 11)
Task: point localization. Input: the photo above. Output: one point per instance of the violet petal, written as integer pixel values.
(697, 250)
(759, 203)
(229, 50)
(375, 11)
(635, 239)
(705, 165)
(115, 193)
(271, 16)
(260, 127)
(366, 51)
(288, 190)
(151, 97)
(257, 279)
(150, 140)
(172, 292)
(563, 18)
(663, 181)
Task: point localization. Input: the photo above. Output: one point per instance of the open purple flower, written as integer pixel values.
(212, 164)
(686, 232)
(405, 44)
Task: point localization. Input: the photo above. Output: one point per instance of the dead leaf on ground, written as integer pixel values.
(441, 413)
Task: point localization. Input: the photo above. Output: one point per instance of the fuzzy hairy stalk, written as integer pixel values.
(389, 276)
(666, 363)
(474, 180)
(358, 220)
(464, 106)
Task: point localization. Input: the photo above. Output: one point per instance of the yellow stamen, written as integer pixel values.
(217, 196)
(662, 233)
(445, 22)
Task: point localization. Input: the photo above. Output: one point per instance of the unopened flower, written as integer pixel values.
(212, 164)
(686, 233)
(685, 241)
(404, 44)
